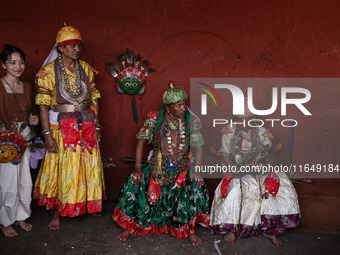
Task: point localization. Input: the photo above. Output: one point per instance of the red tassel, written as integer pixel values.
(225, 186)
(272, 185)
(154, 190)
(181, 178)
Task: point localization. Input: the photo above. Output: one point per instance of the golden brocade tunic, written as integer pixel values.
(46, 87)
(72, 180)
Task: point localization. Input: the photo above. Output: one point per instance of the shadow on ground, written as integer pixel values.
(91, 236)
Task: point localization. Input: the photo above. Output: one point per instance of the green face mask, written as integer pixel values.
(131, 86)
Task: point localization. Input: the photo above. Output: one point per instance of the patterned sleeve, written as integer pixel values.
(146, 132)
(196, 137)
(227, 133)
(224, 150)
(266, 138)
(91, 73)
(45, 85)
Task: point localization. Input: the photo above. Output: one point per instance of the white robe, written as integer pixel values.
(15, 190)
(243, 203)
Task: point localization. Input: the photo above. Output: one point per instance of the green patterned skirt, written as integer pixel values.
(176, 211)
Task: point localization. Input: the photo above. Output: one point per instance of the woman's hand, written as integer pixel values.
(33, 120)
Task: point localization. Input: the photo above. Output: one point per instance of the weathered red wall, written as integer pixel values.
(201, 38)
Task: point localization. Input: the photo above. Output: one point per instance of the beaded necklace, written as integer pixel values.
(176, 157)
(173, 139)
(65, 78)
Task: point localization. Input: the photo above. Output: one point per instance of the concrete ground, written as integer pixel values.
(89, 235)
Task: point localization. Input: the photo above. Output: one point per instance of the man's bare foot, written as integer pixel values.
(274, 239)
(55, 221)
(24, 225)
(195, 240)
(124, 235)
(230, 237)
(8, 231)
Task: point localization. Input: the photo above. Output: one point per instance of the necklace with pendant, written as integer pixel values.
(176, 139)
(65, 78)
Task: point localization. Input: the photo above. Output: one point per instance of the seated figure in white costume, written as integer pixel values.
(251, 204)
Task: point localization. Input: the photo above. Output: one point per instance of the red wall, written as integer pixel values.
(187, 39)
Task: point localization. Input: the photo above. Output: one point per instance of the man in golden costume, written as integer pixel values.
(71, 179)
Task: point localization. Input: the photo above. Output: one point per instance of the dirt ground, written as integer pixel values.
(89, 235)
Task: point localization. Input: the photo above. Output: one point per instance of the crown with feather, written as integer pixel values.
(131, 72)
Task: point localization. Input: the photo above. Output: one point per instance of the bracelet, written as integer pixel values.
(98, 127)
(140, 164)
(46, 133)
